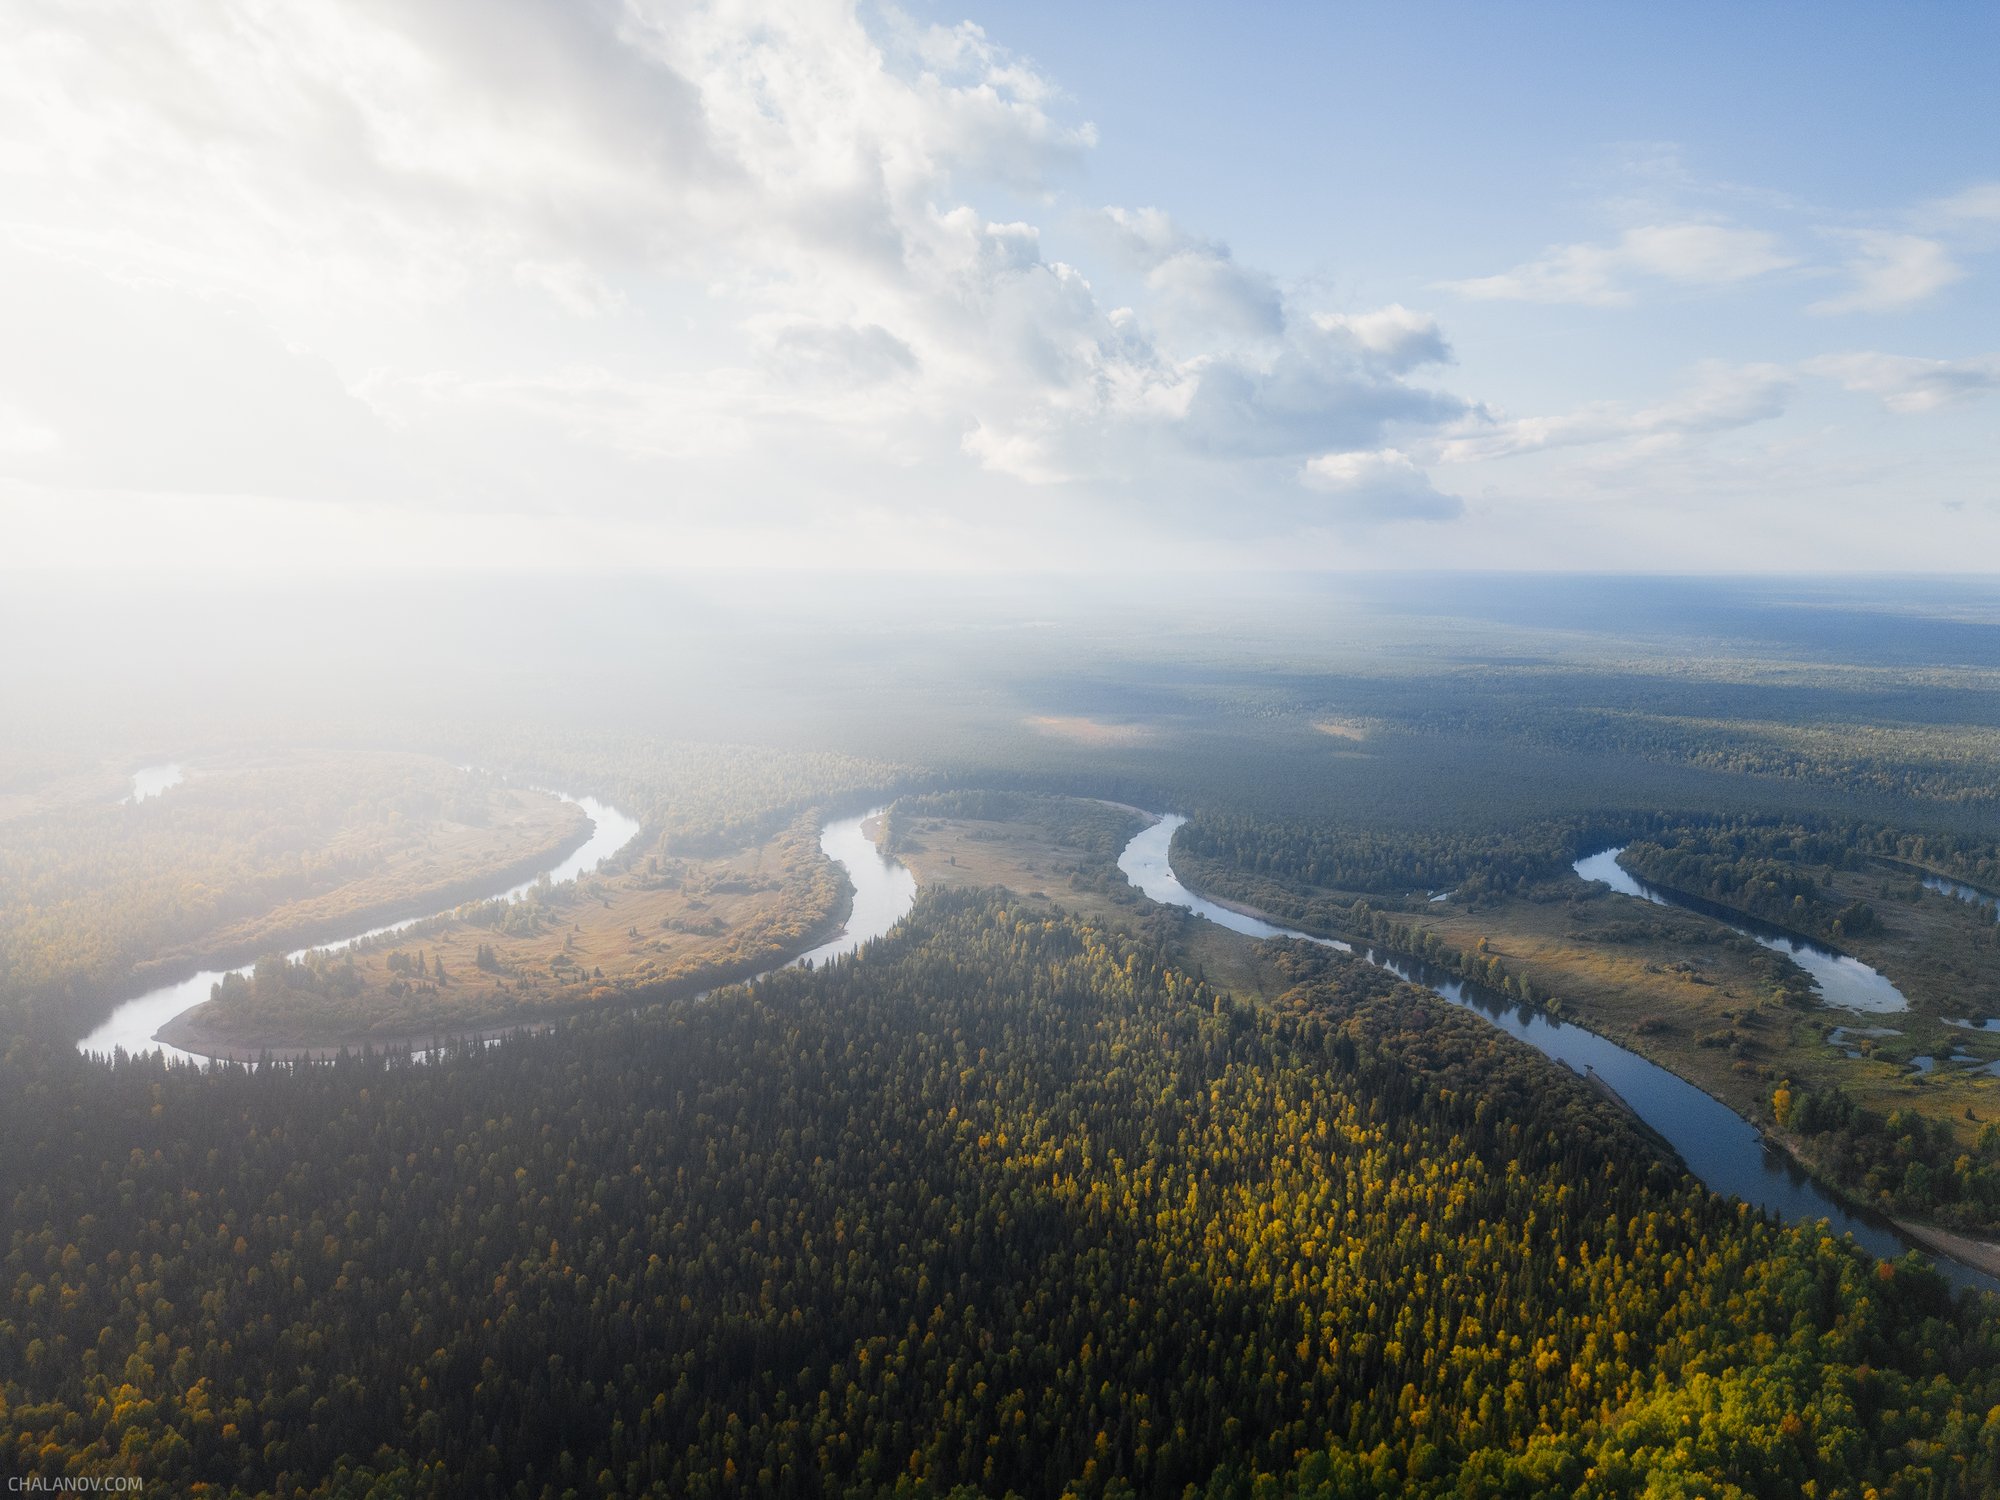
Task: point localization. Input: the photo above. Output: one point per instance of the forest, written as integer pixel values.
(940, 1219)
(1902, 1161)
(1921, 1146)
(1763, 870)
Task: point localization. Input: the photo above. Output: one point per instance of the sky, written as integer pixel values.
(584, 285)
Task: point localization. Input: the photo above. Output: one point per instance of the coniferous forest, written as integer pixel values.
(1009, 1204)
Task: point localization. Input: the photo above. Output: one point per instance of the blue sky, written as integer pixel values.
(541, 284)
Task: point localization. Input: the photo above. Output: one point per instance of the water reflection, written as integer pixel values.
(884, 890)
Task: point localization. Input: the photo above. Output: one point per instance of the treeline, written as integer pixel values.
(1774, 868)
(1901, 1162)
(1766, 870)
(1949, 763)
(1007, 1206)
(1974, 860)
(1380, 861)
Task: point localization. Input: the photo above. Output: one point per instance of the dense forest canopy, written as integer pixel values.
(1009, 1204)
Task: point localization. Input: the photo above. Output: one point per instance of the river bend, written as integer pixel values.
(1718, 1145)
(132, 1027)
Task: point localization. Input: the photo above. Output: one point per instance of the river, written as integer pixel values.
(1959, 891)
(1843, 980)
(132, 1026)
(150, 781)
(884, 889)
(884, 892)
(1719, 1146)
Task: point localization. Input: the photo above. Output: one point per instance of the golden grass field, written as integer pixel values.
(660, 926)
(521, 831)
(1659, 981)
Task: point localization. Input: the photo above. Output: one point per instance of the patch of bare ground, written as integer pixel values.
(1343, 729)
(1096, 733)
(1981, 1254)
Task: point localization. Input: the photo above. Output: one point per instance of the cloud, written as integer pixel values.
(1890, 272)
(630, 256)
(151, 388)
(572, 285)
(1979, 203)
(1602, 275)
(1302, 401)
(1906, 384)
(1384, 485)
(1391, 338)
(1201, 291)
(839, 353)
(1721, 398)
(21, 433)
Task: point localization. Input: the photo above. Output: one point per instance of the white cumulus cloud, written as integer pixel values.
(624, 257)
(1391, 338)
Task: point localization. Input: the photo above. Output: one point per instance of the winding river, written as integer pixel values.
(1843, 980)
(1721, 1148)
(1718, 1145)
(884, 891)
(884, 888)
(132, 1026)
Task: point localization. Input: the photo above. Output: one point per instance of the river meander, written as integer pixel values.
(884, 892)
(134, 1025)
(1718, 1145)
(884, 889)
